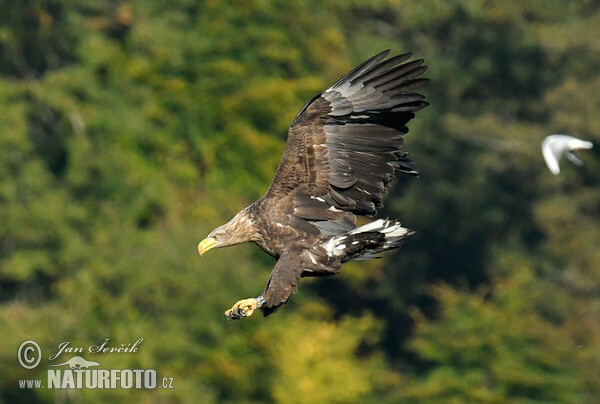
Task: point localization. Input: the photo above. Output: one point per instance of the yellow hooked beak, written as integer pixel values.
(207, 244)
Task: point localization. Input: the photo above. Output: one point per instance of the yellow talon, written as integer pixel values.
(243, 308)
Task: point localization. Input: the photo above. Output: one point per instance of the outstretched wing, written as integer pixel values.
(345, 145)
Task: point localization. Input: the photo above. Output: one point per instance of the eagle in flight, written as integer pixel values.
(343, 150)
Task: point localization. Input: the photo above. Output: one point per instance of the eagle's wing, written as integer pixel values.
(345, 145)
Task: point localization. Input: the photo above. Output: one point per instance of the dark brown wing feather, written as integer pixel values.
(345, 145)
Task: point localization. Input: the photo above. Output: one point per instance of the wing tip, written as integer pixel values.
(384, 53)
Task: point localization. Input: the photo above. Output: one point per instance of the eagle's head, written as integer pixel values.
(238, 230)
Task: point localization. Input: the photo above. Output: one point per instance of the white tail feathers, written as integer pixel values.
(358, 243)
(377, 225)
(390, 227)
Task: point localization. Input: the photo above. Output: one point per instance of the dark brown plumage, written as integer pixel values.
(342, 152)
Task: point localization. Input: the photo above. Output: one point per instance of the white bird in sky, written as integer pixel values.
(554, 146)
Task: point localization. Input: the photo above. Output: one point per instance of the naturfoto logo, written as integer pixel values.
(83, 373)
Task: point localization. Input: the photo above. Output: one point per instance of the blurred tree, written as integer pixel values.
(35, 36)
(498, 346)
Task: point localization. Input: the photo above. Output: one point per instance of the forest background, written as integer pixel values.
(130, 129)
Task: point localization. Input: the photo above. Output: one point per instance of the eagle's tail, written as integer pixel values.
(366, 242)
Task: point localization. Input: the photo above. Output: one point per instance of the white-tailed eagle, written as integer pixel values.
(343, 150)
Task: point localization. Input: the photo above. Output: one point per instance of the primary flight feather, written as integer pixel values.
(343, 150)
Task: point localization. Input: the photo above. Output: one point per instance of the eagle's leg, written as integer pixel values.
(244, 308)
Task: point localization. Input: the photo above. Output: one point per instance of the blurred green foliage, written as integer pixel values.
(130, 129)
